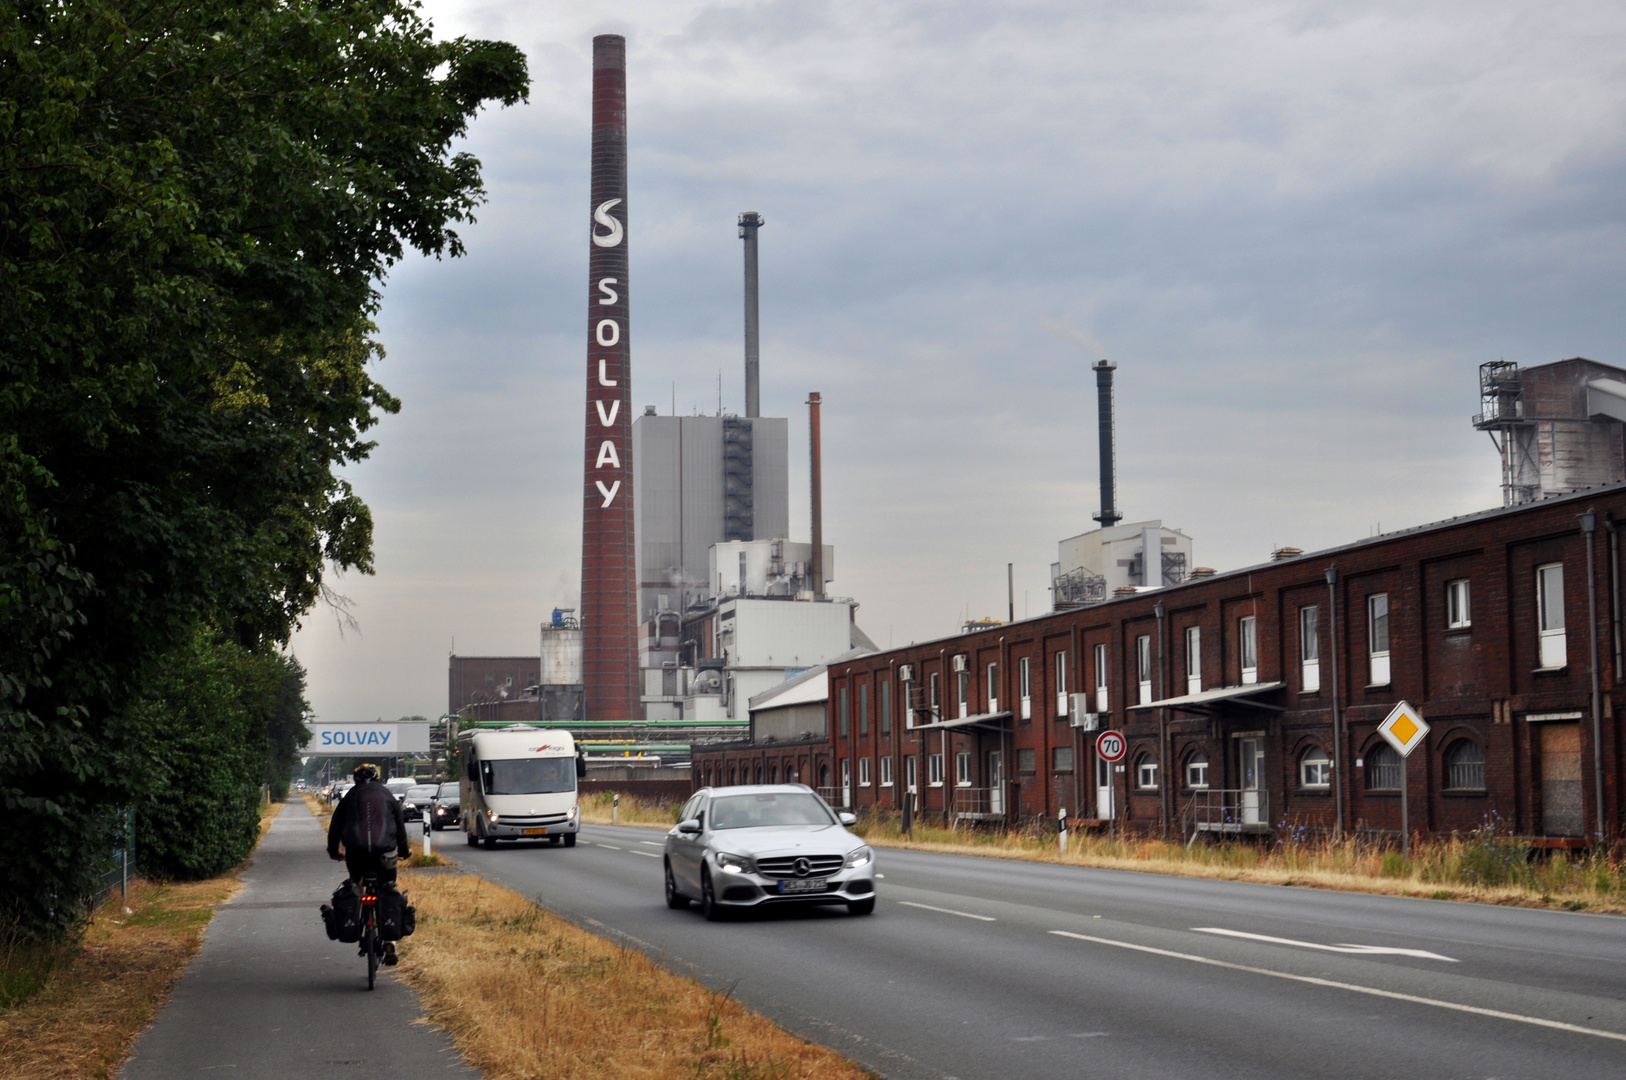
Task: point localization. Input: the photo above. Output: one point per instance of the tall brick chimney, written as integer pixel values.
(609, 566)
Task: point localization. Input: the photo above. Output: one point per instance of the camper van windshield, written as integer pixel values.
(529, 776)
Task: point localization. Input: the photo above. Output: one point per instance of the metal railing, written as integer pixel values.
(1226, 810)
(978, 804)
(834, 796)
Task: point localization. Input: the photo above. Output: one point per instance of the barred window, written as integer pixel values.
(1025, 760)
(1062, 759)
(1465, 766)
(1383, 768)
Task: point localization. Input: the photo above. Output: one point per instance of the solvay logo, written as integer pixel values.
(602, 217)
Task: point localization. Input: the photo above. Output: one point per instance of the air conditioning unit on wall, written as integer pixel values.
(959, 662)
(906, 673)
(1084, 721)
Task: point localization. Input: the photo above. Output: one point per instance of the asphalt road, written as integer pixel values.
(269, 997)
(974, 967)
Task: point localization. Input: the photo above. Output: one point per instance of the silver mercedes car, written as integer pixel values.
(735, 848)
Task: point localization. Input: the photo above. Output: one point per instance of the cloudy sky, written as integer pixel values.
(1296, 227)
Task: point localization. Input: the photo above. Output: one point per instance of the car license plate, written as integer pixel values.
(816, 884)
(536, 832)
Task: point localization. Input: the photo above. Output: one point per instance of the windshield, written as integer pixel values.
(529, 776)
(752, 811)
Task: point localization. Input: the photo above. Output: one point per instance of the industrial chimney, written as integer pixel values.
(1109, 516)
(816, 484)
(750, 222)
(609, 568)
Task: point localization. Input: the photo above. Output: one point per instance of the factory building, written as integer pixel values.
(1557, 427)
(1103, 562)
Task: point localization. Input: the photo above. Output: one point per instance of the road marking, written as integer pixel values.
(652, 843)
(1394, 995)
(949, 911)
(645, 854)
(612, 847)
(1360, 950)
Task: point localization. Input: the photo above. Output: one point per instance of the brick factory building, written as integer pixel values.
(1250, 699)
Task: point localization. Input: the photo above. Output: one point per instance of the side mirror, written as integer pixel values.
(688, 827)
(581, 764)
(846, 818)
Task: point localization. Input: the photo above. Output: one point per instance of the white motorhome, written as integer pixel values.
(519, 783)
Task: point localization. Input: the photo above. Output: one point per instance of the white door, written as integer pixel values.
(996, 783)
(1252, 770)
(1103, 789)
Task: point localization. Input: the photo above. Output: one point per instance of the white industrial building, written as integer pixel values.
(1092, 567)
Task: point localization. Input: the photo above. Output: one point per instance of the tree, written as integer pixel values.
(286, 733)
(196, 204)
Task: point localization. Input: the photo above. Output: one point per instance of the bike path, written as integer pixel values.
(269, 996)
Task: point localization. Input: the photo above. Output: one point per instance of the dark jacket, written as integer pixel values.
(368, 819)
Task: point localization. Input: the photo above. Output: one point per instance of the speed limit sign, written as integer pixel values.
(1110, 746)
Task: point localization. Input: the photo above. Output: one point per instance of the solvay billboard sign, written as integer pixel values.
(359, 740)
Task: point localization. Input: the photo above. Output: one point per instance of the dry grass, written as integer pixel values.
(1486, 866)
(526, 994)
(596, 810)
(80, 1024)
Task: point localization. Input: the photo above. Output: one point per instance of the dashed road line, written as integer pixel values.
(645, 854)
(612, 847)
(1359, 950)
(948, 911)
(1372, 991)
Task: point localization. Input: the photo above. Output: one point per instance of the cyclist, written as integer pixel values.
(371, 825)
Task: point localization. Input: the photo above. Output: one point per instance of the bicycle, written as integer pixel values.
(371, 945)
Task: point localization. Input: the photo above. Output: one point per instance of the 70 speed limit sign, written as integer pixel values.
(1110, 746)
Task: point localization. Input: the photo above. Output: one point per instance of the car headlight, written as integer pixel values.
(440, 809)
(858, 857)
(733, 864)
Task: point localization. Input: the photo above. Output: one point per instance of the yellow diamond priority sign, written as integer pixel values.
(1404, 729)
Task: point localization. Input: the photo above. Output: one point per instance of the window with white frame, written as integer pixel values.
(1457, 616)
(1550, 615)
(1024, 687)
(846, 782)
(1100, 678)
(909, 779)
(1194, 660)
(886, 771)
(993, 687)
(962, 769)
(1377, 638)
(962, 685)
(1197, 770)
(1146, 771)
(1248, 648)
(1143, 667)
(936, 697)
(906, 684)
(1315, 768)
(1309, 650)
(863, 772)
(1061, 684)
(934, 770)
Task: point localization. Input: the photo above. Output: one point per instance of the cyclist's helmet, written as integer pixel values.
(364, 773)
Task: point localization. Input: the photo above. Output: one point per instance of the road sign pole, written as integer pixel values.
(1405, 798)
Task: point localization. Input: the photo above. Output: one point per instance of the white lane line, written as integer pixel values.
(949, 911)
(1394, 995)
(645, 854)
(612, 847)
(1360, 950)
(652, 843)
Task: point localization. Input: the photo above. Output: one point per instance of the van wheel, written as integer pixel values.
(709, 907)
(488, 842)
(472, 839)
(674, 899)
(570, 839)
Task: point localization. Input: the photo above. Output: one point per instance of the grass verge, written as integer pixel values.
(1485, 866)
(597, 810)
(526, 994)
(93, 1000)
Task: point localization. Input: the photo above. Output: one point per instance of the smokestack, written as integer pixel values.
(816, 483)
(750, 222)
(1109, 516)
(609, 569)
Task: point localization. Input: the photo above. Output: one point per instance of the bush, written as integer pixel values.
(1491, 855)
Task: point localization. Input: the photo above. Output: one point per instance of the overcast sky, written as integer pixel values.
(1298, 228)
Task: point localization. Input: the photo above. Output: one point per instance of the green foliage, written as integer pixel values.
(286, 733)
(1492, 856)
(206, 713)
(196, 204)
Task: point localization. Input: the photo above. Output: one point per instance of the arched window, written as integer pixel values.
(1197, 770)
(773, 773)
(1383, 768)
(1146, 771)
(1315, 768)
(824, 775)
(1464, 766)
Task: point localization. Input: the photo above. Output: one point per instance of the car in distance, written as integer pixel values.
(417, 800)
(737, 848)
(444, 808)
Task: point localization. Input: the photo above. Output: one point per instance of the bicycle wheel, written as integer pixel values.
(369, 940)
